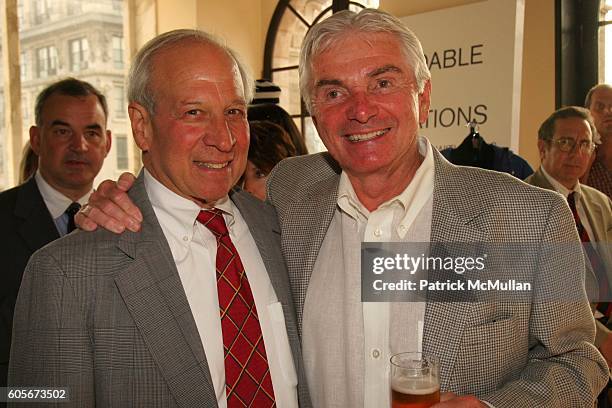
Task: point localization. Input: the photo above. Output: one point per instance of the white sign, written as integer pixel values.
(474, 53)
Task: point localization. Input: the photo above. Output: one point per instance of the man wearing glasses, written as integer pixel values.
(565, 142)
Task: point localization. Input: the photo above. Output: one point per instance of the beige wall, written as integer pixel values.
(245, 24)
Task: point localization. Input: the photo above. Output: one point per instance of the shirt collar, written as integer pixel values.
(414, 196)
(560, 188)
(56, 202)
(180, 211)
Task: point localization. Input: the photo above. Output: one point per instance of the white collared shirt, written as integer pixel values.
(565, 192)
(194, 249)
(346, 343)
(56, 202)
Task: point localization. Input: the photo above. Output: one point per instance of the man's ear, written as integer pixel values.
(35, 139)
(141, 125)
(542, 145)
(424, 101)
(109, 141)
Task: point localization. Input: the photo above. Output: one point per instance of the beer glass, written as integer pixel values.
(415, 380)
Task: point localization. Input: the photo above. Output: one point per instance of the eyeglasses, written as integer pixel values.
(568, 145)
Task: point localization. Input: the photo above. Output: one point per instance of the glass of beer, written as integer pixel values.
(415, 380)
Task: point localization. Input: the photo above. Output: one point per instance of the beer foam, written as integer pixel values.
(414, 386)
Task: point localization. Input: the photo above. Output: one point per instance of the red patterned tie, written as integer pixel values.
(247, 375)
(596, 261)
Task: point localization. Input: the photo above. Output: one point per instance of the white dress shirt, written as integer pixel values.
(347, 344)
(194, 249)
(56, 202)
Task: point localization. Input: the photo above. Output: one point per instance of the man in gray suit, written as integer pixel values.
(365, 81)
(565, 143)
(168, 316)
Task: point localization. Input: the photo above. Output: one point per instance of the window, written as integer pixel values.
(20, 15)
(41, 11)
(119, 101)
(118, 51)
(46, 61)
(290, 23)
(79, 54)
(605, 42)
(24, 63)
(122, 152)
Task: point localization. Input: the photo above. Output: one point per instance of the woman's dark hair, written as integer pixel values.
(275, 114)
(269, 144)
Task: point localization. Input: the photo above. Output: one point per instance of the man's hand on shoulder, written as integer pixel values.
(111, 208)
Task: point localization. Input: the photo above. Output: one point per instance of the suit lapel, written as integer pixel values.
(453, 220)
(595, 215)
(38, 228)
(303, 239)
(154, 295)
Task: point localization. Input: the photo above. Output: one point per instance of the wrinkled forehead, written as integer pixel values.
(189, 62)
(603, 94)
(573, 127)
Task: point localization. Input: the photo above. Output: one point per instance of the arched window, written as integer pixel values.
(290, 22)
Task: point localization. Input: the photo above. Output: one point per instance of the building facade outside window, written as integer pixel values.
(79, 54)
(78, 38)
(121, 148)
(46, 61)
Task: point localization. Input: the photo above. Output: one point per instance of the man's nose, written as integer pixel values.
(220, 135)
(78, 142)
(361, 108)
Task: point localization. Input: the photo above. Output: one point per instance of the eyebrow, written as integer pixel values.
(324, 82)
(384, 69)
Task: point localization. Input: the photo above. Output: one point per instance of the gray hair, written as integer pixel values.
(322, 35)
(140, 71)
(589, 95)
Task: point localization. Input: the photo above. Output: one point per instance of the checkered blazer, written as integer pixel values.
(107, 315)
(531, 354)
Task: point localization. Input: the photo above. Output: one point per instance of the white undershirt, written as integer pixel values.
(346, 343)
(194, 249)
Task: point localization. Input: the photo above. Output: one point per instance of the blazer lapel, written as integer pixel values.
(303, 239)
(154, 295)
(38, 228)
(453, 220)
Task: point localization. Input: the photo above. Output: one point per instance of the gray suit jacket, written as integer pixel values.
(598, 209)
(536, 354)
(107, 315)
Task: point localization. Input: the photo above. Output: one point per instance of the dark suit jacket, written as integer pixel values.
(107, 315)
(26, 227)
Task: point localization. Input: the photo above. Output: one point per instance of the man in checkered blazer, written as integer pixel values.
(194, 309)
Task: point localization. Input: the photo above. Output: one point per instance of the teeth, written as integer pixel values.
(212, 165)
(366, 136)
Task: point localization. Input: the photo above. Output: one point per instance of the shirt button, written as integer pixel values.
(377, 232)
(376, 353)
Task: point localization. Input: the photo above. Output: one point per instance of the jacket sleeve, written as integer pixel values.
(51, 345)
(564, 369)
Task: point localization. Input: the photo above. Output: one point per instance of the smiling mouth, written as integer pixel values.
(361, 137)
(214, 166)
